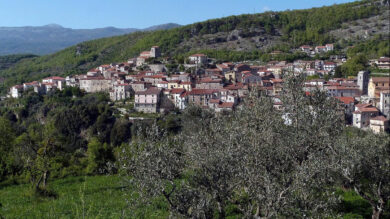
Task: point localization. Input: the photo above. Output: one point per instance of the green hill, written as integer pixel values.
(245, 33)
(10, 60)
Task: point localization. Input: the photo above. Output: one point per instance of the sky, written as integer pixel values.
(86, 14)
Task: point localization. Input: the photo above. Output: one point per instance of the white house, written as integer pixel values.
(362, 115)
(329, 47)
(198, 59)
(15, 91)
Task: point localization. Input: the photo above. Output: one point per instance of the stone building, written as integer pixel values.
(95, 84)
(384, 103)
(362, 115)
(379, 124)
(377, 85)
(362, 81)
(155, 52)
(148, 101)
(121, 92)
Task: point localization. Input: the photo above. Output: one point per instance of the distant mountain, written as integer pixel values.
(53, 37)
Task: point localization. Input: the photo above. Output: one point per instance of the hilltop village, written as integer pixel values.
(145, 81)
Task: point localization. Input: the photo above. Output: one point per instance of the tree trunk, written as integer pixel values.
(38, 183)
(45, 176)
(257, 214)
(221, 209)
(376, 213)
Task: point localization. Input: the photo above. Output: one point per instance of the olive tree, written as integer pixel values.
(267, 163)
(365, 168)
(154, 167)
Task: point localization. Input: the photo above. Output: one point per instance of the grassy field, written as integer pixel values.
(105, 197)
(78, 197)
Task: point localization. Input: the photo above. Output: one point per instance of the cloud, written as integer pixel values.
(266, 8)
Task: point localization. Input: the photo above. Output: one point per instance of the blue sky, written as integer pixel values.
(138, 14)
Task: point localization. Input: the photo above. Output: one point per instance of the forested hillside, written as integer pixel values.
(10, 60)
(245, 33)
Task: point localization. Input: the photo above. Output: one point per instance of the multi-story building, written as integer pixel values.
(148, 101)
(329, 66)
(342, 91)
(198, 59)
(179, 98)
(140, 85)
(201, 97)
(95, 84)
(58, 82)
(155, 52)
(362, 115)
(121, 92)
(378, 84)
(329, 47)
(384, 103)
(16, 91)
(379, 124)
(383, 63)
(208, 83)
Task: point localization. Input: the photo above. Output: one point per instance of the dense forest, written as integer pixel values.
(295, 28)
(10, 60)
(77, 131)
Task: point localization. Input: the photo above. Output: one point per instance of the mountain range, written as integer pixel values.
(42, 40)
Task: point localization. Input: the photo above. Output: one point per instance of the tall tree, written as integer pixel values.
(365, 168)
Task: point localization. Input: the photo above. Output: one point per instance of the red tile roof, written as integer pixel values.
(235, 86)
(149, 91)
(209, 80)
(380, 118)
(94, 78)
(369, 110)
(197, 55)
(201, 91)
(329, 63)
(346, 100)
(380, 79)
(363, 105)
(54, 78)
(226, 105)
(31, 83)
(341, 88)
(214, 101)
(384, 59)
(275, 80)
(154, 76)
(177, 90)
